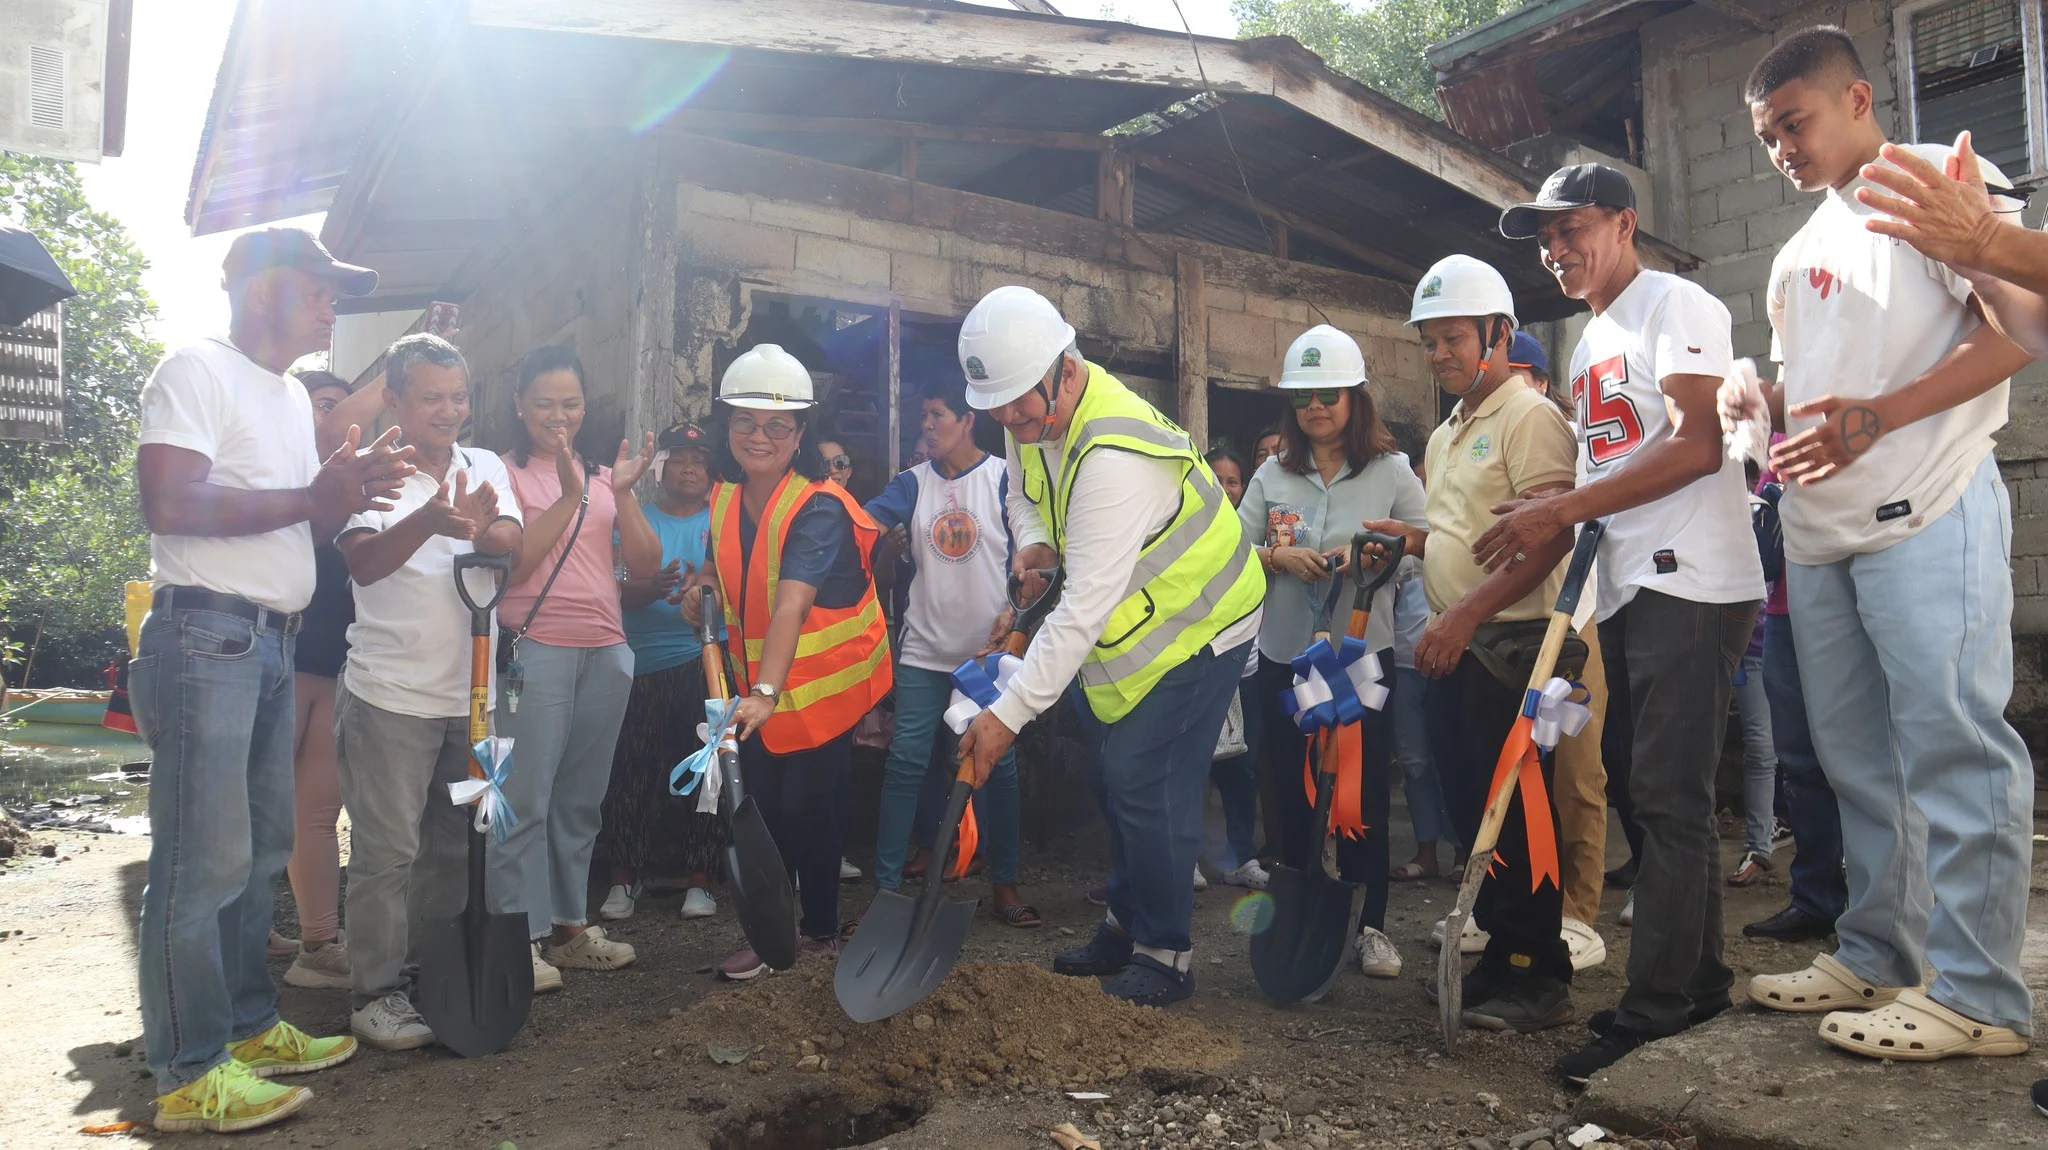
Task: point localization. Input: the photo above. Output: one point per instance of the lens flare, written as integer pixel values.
(673, 80)
(1252, 914)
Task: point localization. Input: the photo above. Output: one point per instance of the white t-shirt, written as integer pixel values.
(960, 544)
(1696, 542)
(408, 650)
(1856, 315)
(256, 427)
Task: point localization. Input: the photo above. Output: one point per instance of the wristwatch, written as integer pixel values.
(766, 691)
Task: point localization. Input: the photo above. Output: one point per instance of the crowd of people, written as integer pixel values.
(306, 650)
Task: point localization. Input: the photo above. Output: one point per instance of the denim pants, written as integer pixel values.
(1154, 767)
(1420, 783)
(212, 695)
(1759, 756)
(922, 752)
(1237, 779)
(1363, 859)
(563, 736)
(1670, 670)
(1818, 886)
(1906, 658)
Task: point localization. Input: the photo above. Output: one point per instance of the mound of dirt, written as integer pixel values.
(990, 1022)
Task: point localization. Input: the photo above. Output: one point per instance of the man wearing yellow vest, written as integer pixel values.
(1160, 608)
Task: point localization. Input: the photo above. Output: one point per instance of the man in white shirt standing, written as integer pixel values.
(402, 714)
(1680, 581)
(1898, 550)
(1160, 608)
(233, 492)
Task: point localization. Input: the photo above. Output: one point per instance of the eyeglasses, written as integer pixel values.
(1327, 396)
(839, 463)
(773, 429)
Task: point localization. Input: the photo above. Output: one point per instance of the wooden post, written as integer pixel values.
(895, 387)
(1279, 239)
(1114, 191)
(907, 165)
(1191, 348)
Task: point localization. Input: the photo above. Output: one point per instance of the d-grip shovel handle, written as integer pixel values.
(480, 613)
(480, 640)
(1394, 545)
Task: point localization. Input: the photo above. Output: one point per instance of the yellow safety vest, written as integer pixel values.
(1193, 579)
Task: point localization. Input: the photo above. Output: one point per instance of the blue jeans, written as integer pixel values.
(1154, 765)
(1419, 781)
(921, 759)
(1237, 779)
(212, 696)
(1818, 887)
(1759, 759)
(1906, 658)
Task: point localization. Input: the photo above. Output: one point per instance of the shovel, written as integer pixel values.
(905, 947)
(1300, 953)
(476, 971)
(1450, 980)
(761, 893)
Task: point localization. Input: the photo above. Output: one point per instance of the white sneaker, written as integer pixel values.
(1201, 880)
(1628, 911)
(1251, 876)
(390, 1023)
(1587, 947)
(698, 904)
(545, 977)
(619, 902)
(1376, 954)
(847, 871)
(323, 969)
(1471, 940)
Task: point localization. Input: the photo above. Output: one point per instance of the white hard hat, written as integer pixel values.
(1462, 286)
(766, 378)
(1322, 356)
(1007, 344)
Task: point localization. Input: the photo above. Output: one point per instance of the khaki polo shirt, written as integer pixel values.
(1515, 441)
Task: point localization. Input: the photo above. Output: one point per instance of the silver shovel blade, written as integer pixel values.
(893, 960)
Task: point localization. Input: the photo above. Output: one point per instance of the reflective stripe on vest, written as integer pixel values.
(842, 668)
(1191, 581)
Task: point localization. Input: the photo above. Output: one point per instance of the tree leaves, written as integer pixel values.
(1379, 43)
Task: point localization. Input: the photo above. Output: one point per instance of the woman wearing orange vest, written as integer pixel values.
(790, 561)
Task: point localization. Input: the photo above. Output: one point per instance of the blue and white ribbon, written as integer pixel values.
(1334, 686)
(700, 773)
(1556, 715)
(977, 684)
(494, 754)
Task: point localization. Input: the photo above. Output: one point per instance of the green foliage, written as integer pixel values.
(1378, 42)
(71, 542)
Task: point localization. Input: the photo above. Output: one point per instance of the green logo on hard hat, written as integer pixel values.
(1312, 357)
(975, 371)
(1432, 289)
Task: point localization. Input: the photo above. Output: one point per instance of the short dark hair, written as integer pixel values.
(1804, 55)
(313, 379)
(419, 347)
(949, 390)
(1218, 455)
(1365, 437)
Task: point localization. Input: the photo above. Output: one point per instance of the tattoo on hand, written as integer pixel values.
(1860, 429)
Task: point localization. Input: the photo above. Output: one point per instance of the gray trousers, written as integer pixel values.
(408, 844)
(1670, 672)
(563, 737)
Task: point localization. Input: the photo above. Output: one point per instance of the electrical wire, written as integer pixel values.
(1243, 180)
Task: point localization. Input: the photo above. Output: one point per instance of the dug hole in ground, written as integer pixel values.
(661, 1055)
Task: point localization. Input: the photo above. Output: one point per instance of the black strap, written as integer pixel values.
(575, 529)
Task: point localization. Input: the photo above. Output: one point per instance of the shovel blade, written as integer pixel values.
(1450, 979)
(476, 980)
(761, 894)
(894, 960)
(1299, 955)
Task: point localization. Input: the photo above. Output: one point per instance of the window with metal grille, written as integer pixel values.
(46, 86)
(1976, 65)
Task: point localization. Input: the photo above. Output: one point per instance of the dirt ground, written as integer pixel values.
(623, 1058)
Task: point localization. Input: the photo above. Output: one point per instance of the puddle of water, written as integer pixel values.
(61, 763)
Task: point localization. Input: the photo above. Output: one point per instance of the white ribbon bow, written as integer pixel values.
(493, 812)
(1557, 715)
(961, 710)
(702, 769)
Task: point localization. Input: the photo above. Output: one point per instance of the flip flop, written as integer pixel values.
(1915, 1028)
(1408, 872)
(1018, 914)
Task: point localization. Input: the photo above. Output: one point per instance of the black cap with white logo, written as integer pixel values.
(1578, 186)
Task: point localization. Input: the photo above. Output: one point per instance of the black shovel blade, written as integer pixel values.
(893, 960)
(1300, 953)
(476, 974)
(761, 894)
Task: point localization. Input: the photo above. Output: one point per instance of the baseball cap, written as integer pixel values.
(1525, 352)
(257, 251)
(1577, 186)
(678, 435)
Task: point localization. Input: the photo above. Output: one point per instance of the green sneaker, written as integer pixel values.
(285, 1049)
(228, 1098)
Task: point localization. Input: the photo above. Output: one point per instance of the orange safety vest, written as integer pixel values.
(842, 666)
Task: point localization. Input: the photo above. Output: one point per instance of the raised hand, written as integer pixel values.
(668, 579)
(568, 468)
(352, 481)
(441, 515)
(1945, 215)
(480, 506)
(628, 467)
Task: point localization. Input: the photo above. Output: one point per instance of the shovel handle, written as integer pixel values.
(480, 640)
(707, 632)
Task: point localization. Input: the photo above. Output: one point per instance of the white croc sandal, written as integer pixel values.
(590, 950)
(1915, 1028)
(1826, 985)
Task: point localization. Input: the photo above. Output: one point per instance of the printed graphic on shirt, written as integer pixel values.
(1482, 447)
(954, 534)
(1285, 527)
(1613, 429)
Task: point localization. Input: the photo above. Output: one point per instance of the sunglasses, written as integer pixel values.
(773, 429)
(1327, 396)
(839, 463)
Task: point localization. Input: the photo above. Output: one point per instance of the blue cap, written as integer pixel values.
(1526, 352)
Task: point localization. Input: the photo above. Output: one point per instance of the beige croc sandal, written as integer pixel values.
(590, 950)
(1826, 985)
(1915, 1028)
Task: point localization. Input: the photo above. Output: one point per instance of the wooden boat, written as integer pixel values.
(57, 705)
